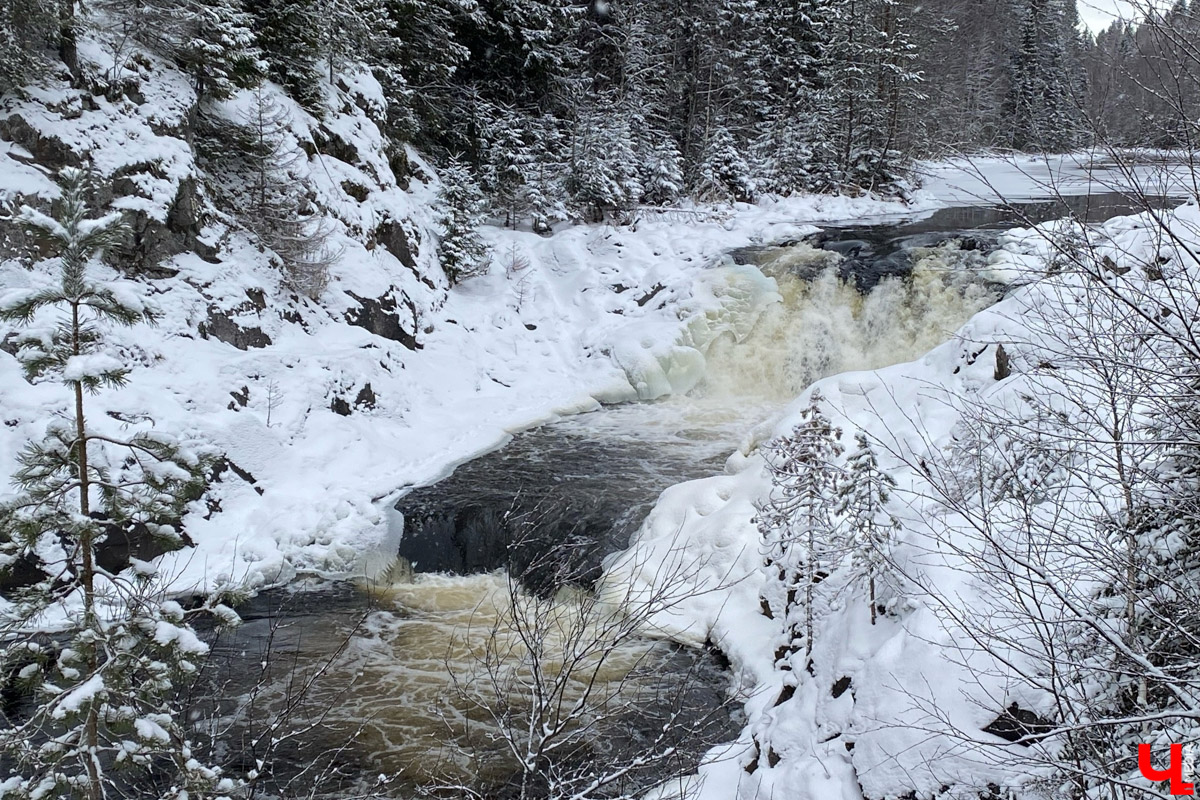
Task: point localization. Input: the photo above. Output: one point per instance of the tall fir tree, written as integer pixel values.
(461, 250)
(1043, 100)
(218, 49)
(288, 32)
(28, 34)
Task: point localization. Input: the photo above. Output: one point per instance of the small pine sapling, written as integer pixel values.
(102, 691)
(796, 522)
(863, 494)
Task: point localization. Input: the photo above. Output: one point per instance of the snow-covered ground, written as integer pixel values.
(912, 683)
(592, 314)
(987, 180)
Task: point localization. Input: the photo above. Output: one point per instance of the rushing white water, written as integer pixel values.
(414, 687)
(435, 686)
(823, 325)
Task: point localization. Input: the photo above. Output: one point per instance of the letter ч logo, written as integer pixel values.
(1174, 773)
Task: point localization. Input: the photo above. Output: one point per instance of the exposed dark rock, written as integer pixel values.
(772, 757)
(9, 343)
(1003, 364)
(401, 167)
(48, 151)
(221, 326)
(242, 397)
(356, 190)
(786, 694)
(257, 299)
(331, 144)
(1015, 723)
(340, 406)
(646, 298)
(121, 544)
(392, 236)
(224, 464)
(840, 686)
(380, 316)
(365, 398)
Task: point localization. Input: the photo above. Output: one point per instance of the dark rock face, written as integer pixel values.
(365, 398)
(151, 242)
(220, 326)
(392, 236)
(1016, 723)
(1003, 364)
(332, 144)
(380, 316)
(49, 151)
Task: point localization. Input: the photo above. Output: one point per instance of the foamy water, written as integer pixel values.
(451, 670)
(824, 326)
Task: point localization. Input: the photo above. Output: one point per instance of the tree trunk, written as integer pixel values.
(91, 732)
(67, 46)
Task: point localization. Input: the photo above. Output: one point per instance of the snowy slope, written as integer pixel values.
(898, 707)
(323, 421)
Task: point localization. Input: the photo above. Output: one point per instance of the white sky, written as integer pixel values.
(1097, 14)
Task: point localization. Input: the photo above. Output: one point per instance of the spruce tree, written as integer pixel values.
(604, 170)
(103, 691)
(219, 50)
(863, 494)
(460, 204)
(289, 34)
(662, 176)
(1043, 100)
(28, 32)
(796, 524)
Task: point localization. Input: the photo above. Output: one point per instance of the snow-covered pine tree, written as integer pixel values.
(348, 30)
(275, 210)
(462, 252)
(792, 134)
(28, 33)
(102, 691)
(543, 192)
(722, 173)
(289, 34)
(507, 160)
(603, 174)
(796, 524)
(862, 499)
(219, 49)
(867, 79)
(1044, 78)
(662, 174)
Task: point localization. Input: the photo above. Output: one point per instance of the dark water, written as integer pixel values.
(551, 504)
(873, 252)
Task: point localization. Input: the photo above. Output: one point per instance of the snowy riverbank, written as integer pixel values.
(903, 704)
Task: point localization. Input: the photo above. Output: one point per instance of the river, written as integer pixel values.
(428, 677)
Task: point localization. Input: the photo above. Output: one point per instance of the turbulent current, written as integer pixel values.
(825, 325)
(434, 682)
